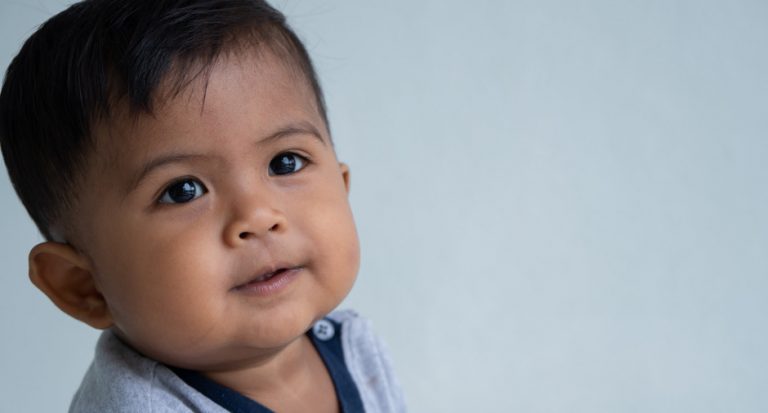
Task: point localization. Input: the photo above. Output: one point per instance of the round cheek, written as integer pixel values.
(351, 255)
(163, 294)
(342, 252)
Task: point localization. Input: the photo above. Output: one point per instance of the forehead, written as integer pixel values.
(255, 88)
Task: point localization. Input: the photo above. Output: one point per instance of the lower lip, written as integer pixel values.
(272, 286)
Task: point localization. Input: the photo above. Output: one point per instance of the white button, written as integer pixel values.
(324, 330)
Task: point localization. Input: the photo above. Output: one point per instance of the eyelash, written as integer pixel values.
(198, 187)
(302, 161)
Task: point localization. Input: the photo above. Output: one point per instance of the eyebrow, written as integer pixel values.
(297, 128)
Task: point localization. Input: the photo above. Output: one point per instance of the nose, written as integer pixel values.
(251, 220)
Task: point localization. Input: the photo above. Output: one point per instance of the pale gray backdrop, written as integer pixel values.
(562, 204)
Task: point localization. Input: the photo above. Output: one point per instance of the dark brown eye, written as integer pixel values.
(182, 191)
(286, 163)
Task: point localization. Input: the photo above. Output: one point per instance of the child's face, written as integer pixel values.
(183, 211)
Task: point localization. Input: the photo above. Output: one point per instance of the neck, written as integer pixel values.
(269, 372)
(290, 379)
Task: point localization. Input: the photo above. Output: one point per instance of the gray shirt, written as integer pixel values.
(122, 380)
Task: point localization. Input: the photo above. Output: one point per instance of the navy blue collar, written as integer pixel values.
(326, 337)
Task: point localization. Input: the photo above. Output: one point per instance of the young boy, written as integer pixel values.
(176, 156)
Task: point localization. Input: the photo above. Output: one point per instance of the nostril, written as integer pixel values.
(254, 232)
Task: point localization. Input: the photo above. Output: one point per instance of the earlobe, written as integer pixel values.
(345, 175)
(65, 276)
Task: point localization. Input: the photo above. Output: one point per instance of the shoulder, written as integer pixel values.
(121, 380)
(368, 362)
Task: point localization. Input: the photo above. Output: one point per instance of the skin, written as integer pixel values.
(168, 277)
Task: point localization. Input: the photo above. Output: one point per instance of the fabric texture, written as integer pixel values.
(121, 380)
(325, 336)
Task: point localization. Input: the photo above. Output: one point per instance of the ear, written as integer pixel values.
(345, 174)
(65, 276)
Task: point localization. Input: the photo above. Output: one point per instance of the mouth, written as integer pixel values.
(269, 282)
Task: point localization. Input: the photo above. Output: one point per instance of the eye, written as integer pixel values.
(286, 163)
(182, 191)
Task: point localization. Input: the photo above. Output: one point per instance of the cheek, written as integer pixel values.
(351, 255)
(336, 235)
(153, 284)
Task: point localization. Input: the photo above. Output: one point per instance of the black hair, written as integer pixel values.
(82, 61)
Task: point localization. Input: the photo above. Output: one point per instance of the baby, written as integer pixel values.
(176, 156)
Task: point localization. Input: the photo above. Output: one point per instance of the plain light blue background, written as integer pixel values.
(562, 204)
